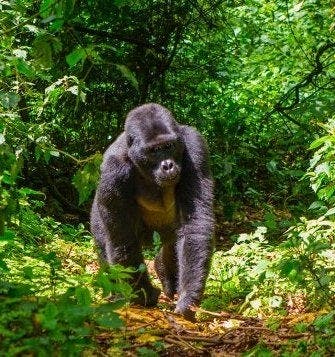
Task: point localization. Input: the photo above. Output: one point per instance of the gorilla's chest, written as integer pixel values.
(159, 211)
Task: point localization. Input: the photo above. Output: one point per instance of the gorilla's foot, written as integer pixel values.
(185, 307)
(147, 297)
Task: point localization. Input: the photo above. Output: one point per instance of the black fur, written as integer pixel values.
(156, 177)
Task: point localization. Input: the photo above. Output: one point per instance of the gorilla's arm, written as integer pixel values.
(110, 201)
(112, 207)
(194, 245)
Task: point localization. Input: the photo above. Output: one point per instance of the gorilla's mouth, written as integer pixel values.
(166, 180)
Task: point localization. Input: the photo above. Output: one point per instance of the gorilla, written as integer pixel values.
(155, 177)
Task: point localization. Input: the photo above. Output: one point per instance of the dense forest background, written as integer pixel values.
(255, 77)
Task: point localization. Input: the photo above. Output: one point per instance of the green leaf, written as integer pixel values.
(128, 74)
(289, 267)
(42, 51)
(324, 320)
(3, 266)
(121, 3)
(7, 236)
(111, 320)
(318, 142)
(68, 6)
(47, 8)
(26, 191)
(9, 100)
(28, 272)
(79, 54)
(56, 24)
(86, 179)
(54, 153)
(83, 296)
(330, 212)
(48, 316)
(23, 67)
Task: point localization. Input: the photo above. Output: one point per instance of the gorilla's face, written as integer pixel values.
(155, 146)
(163, 162)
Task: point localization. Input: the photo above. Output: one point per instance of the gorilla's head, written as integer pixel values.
(154, 144)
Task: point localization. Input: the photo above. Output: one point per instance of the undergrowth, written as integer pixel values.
(52, 295)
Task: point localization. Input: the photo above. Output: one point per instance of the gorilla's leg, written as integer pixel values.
(193, 261)
(122, 244)
(166, 269)
(147, 294)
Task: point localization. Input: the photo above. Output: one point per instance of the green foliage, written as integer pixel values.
(249, 271)
(309, 257)
(85, 180)
(322, 166)
(49, 302)
(264, 276)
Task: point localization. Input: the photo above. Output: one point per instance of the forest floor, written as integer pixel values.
(159, 331)
(215, 334)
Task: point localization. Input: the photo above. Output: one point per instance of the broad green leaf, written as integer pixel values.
(111, 320)
(83, 296)
(318, 142)
(56, 24)
(47, 7)
(42, 51)
(54, 153)
(7, 236)
(3, 266)
(9, 100)
(324, 320)
(28, 191)
(128, 74)
(24, 68)
(79, 54)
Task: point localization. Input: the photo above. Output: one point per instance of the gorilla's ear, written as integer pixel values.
(130, 141)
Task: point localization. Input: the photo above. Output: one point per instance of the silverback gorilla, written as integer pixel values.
(156, 177)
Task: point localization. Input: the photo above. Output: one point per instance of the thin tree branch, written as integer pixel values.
(116, 36)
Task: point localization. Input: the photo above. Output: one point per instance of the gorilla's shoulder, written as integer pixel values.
(195, 145)
(192, 136)
(117, 150)
(116, 168)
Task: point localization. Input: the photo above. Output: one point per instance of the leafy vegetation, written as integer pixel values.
(255, 77)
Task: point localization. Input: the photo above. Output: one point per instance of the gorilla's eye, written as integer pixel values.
(155, 149)
(163, 147)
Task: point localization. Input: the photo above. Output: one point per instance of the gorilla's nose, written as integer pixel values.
(167, 166)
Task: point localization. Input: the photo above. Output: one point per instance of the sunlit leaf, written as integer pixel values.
(128, 74)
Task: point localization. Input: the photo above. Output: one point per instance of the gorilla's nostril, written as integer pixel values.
(167, 165)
